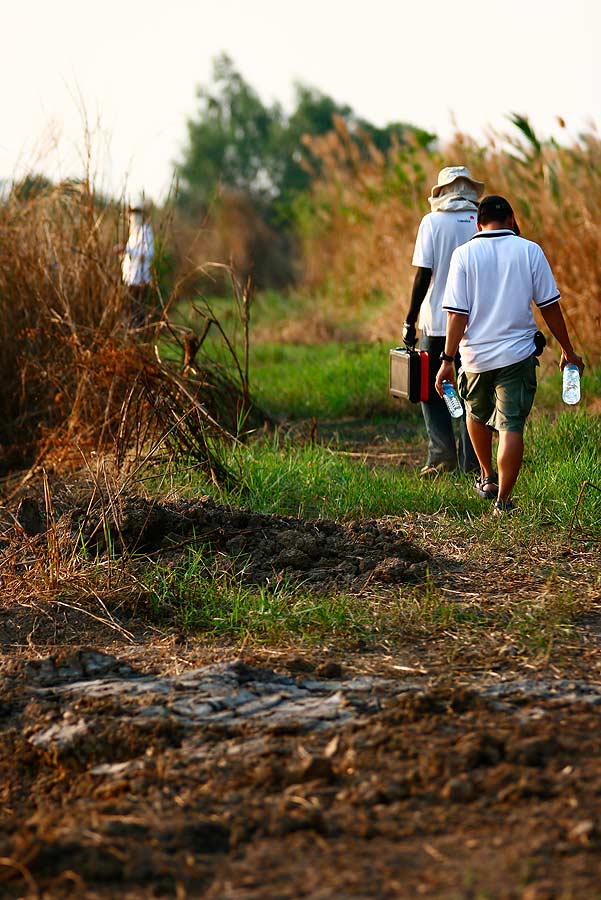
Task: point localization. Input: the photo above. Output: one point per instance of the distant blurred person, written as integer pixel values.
(452, 222)
(136, 265)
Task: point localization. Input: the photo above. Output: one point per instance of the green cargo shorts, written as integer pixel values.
(501, 398)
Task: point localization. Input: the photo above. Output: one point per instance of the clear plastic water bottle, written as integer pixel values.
(571, 384)
(451, 398)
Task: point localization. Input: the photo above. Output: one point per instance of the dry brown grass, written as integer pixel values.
(75, 378)
(61, 305)
(234, 234)
(359, 228)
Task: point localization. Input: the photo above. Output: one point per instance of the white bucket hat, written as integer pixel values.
(450, 174)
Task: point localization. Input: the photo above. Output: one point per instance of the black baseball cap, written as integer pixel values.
(494, 207)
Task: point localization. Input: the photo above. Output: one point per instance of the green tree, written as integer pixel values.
(255, 152)
(238, 141)
(230, 141)
(313, 114)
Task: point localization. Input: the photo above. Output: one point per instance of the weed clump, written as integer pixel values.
(75, 377)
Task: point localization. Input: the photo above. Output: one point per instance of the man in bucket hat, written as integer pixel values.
(452, 222)
(493, 281)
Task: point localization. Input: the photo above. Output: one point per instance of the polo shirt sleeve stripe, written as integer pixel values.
(464, 312)
(548, 302)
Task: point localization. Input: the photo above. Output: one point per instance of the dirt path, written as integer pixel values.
(447, 764)
(285, 776)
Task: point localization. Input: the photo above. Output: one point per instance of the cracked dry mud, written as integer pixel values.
(299, 778)
(179, 768)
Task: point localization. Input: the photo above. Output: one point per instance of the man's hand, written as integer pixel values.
(567, 358)
(409, 335)
(553, 316)
(445, 373)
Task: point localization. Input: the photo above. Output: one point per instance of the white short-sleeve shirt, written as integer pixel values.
(438, 235)
(493, 280)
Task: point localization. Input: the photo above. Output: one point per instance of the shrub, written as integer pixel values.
(74, 377)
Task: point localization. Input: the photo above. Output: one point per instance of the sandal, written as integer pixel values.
(488, 487)
(501, 507)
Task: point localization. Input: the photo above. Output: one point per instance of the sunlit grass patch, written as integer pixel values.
(328, 381)
(191, 595)
(195, 597)
(319, 482)
(315, 481)
(531, 618)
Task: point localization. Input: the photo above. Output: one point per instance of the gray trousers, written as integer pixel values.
(442, 446)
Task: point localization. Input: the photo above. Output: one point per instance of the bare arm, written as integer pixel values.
(553, 316)
(456, 325)
(421, 283)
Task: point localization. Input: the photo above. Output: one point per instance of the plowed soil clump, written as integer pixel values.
(253, 546)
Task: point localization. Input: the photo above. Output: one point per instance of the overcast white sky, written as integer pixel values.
(134, 68)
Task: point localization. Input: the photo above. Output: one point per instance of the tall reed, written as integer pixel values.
(360, 222)
(61, 305)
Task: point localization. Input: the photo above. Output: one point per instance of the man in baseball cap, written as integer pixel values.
(493, 281)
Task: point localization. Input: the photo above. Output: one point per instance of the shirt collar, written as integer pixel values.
(498, 232)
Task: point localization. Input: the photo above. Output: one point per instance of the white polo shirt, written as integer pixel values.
(438, 235)
(493, 280)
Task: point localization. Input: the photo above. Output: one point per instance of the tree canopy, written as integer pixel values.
(238, 141)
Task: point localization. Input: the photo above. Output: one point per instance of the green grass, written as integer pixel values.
(284, 473)
(197, 599)
(533, 625)
(292, 380)
(193, 597)
(328, 381)
(562, 453)
(336, 380)
(318, 481)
